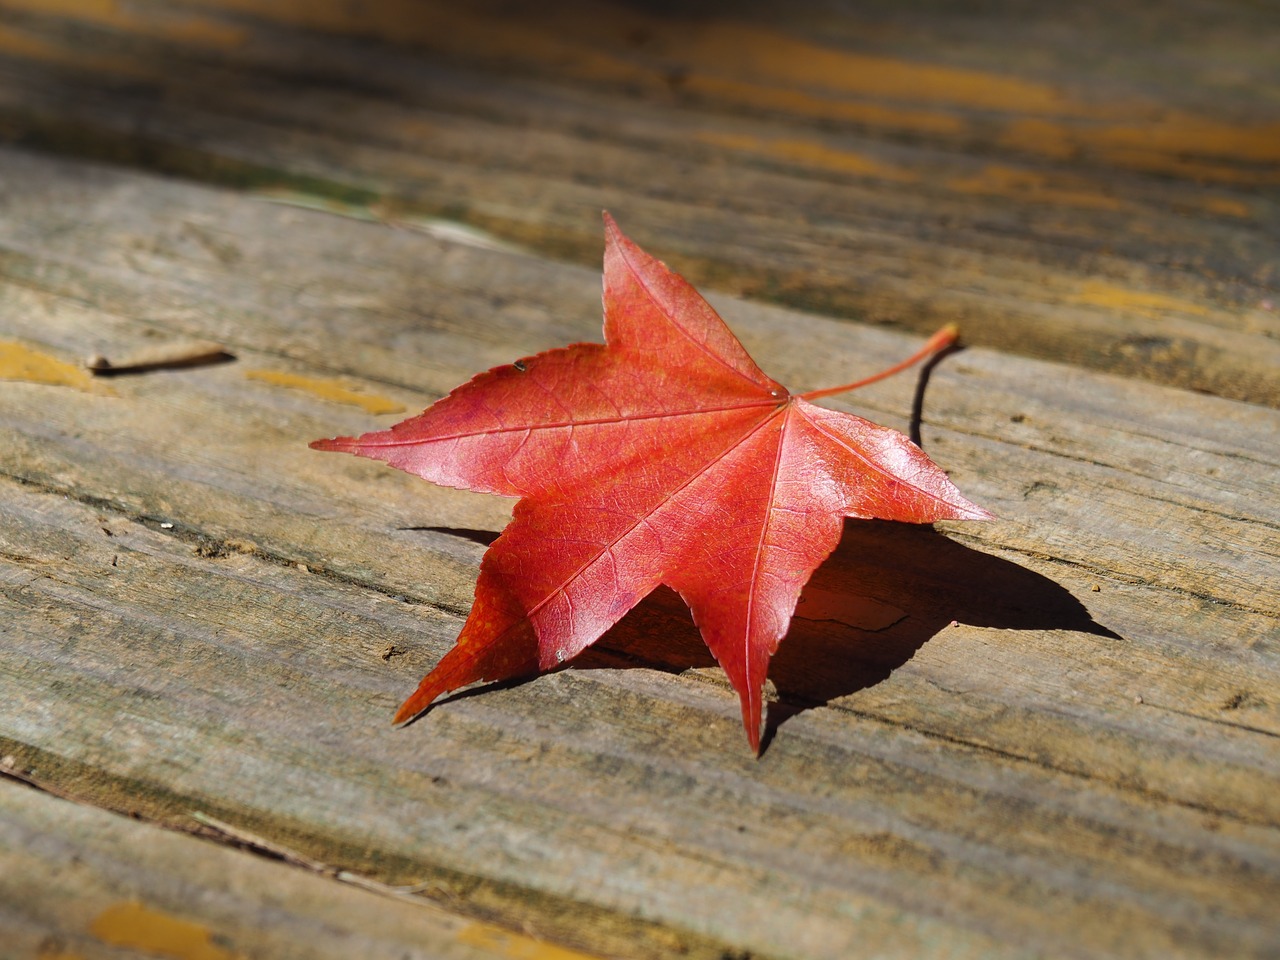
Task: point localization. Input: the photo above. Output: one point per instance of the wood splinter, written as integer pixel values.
(167, 356)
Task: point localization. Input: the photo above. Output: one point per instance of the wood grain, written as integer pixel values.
(81, 882)
(1053, 734)
(1116, 212)
(199, 613)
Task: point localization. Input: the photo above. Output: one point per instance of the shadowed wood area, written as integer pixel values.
(1054, 734)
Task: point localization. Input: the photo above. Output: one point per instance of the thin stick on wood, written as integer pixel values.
(168, 356)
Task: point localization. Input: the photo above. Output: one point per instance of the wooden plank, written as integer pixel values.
(81, 882)
(1115, 219)
(172, 687)
(1050, 775)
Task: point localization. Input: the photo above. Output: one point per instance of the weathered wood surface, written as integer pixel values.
(1039, 776)
(81, 882)
(197, 613)
(1078, 182)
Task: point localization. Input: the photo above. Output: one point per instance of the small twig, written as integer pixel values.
(168, 356)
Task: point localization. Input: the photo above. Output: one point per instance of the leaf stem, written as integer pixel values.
(944, 338)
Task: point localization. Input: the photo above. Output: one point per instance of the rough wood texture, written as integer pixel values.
(80, 882)
(1105, 196)
(200, 614)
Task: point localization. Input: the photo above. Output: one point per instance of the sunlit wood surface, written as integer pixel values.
(1055, 734)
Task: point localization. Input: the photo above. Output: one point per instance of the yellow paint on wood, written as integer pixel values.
(1030, 185)
(810, 153)
(514, 946)
(20, 362)
(137, 926)
(327, 389)
(776, 60)
(801, 102)
(1181, 145)
(1178, 133)
(1043, 137)
(1226, 206)
(1101, 294)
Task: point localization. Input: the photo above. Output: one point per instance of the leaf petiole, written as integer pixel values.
(944, 338)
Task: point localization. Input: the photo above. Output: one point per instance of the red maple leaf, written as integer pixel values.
(663, 456)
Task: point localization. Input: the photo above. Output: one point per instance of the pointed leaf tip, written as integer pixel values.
(336, 444)
(403, 714)
(612, 232)
(421, 698)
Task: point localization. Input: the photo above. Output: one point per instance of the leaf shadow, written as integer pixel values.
(886, 590)
(882, 595)
(922, 384)
(483, 537)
